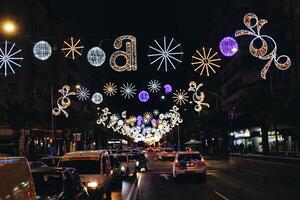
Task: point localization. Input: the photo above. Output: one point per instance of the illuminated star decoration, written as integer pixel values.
(128, 90)
(83, 94)
(110, 89)
(155, 112)
(63, 102)
(262, 51)
(9, 58)
(147, 117)
(203, 60)
(73, 48)
(180, 97)
(168, 53)
(198, 96)
(154, 86)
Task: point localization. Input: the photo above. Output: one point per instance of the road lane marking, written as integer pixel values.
(130, 193)
(220, 195)
(165, 176)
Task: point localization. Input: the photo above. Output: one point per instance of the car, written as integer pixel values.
(58, 183)
(141, 161)
(115, 169)
(127, 166)
(51, 161)
(16, 179)
(94, 170)
(37, 164)
(167, 153)
(189, 163)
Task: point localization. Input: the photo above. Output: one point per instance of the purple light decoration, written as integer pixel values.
(228, 46)
(153, 122)
(168, 88)
(139, 120)
(144, 96)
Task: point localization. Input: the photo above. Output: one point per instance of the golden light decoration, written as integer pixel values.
(103, 116)
(148, 115)
(251, 22)
(129, 54)
(180, 97)
(72, 48)
(198, 96)
(110, 89)
(205, 60)
(63, 102)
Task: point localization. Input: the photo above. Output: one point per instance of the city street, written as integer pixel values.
(222, 183)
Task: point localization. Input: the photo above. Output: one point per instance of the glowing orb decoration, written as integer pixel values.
(63, 102)
(155, 112)
(128, 90)
(262, 52)
(124, 114)
(10, 57)
(96, 56)
(110, 89)
(97, 98)
(180, 97)
(198, 96)
(72, 48)
(228, 46)
(168, 88)
(83, 94)
(144, 96)
(42, 50)
(154, 86)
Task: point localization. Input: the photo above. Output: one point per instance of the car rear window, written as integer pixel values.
(189, 157)
(83, 166)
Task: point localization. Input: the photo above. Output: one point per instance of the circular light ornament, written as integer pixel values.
(42, 50)
(144, 96)
(228, 46)
(97, 98)
(96, 56)
(168, 88)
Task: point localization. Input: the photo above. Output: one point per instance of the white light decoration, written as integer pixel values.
(97, 98)
(110, 89)
(42, 50)
(205, 60)
(129, 54)
(180, 97)
(263, 52)
(128, 90)
(155, 112)
(198, 96)
(63, 102)
(154, 86)
(96, 56)
(103, 117)
(124, 114)
(83, 94)
(72, 48)
(168, 53)
(10, 57)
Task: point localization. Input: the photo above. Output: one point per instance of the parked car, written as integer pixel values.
(51, 161)
(37, 164)
(141, 162)
(115, 169)
(58, 183)
(167, 153)
(16, 179)
(127, 166)
(94, 170)
(189, 163)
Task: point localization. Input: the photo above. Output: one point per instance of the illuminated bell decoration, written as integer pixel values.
(168, 88)
(228, 46)
(96, 56)
(144, 96)
(42, 50)
(97, 98)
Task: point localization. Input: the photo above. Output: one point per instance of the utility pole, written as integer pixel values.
(178, 138)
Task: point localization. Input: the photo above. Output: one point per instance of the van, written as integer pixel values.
(94, 170)
(16, 179)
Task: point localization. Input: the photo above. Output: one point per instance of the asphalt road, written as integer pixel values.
(222, 183)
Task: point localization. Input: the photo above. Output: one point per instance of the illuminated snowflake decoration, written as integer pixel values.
(110, 89)
(96, 56)
(72, 48)
(155, 112)
(180, 97)
(128, 90)
(42, 50)
(205, 61)
(97, 98)
(83, 94)
(10, 57)
(168, 53)
(154, 86)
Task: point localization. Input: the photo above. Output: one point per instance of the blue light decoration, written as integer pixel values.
(144, 96)
(168, 88)
(139, 120)
(228, 46)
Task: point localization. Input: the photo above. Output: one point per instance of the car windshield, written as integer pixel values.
(47, 183)
(83, 166)
(189, 157)
(122, 158)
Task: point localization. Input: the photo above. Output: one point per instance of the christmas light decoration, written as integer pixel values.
(10, 57)
(129, 54)
(97, 98)
(180, 97)
(168, 53)
(96, 56)
(154, 86)
(168, 88)
(83, 94)
(124, 114)
(42, 50)
(198, 96)
(262, 52)
(63, 102)
(228, 46)
(128, 90)
(155, 112)
(144, 96)
(72, 48)
(103, 117)
(110, 89)
(206, 60)
(148, 116)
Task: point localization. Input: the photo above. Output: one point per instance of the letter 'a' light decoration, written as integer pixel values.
(262, 51)
(63, 102)
(129, 54)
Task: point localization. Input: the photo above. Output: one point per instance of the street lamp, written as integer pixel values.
(9, 27)
(78, 86)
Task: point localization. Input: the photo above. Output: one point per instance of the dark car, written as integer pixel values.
(141, 161)
(58, 183)
(115, 169)
(37, 164)
(51, 161)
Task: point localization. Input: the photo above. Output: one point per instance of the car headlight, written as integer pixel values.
(92, 184)
(137, 163)
(123, 169)
(111, 171)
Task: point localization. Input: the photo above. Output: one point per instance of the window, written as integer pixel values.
(83, 166)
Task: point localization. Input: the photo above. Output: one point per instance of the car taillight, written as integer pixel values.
(202, 161)
(176, 163)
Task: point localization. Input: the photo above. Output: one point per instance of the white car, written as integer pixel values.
(189, 163)
(167, 153)
(127, 165)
